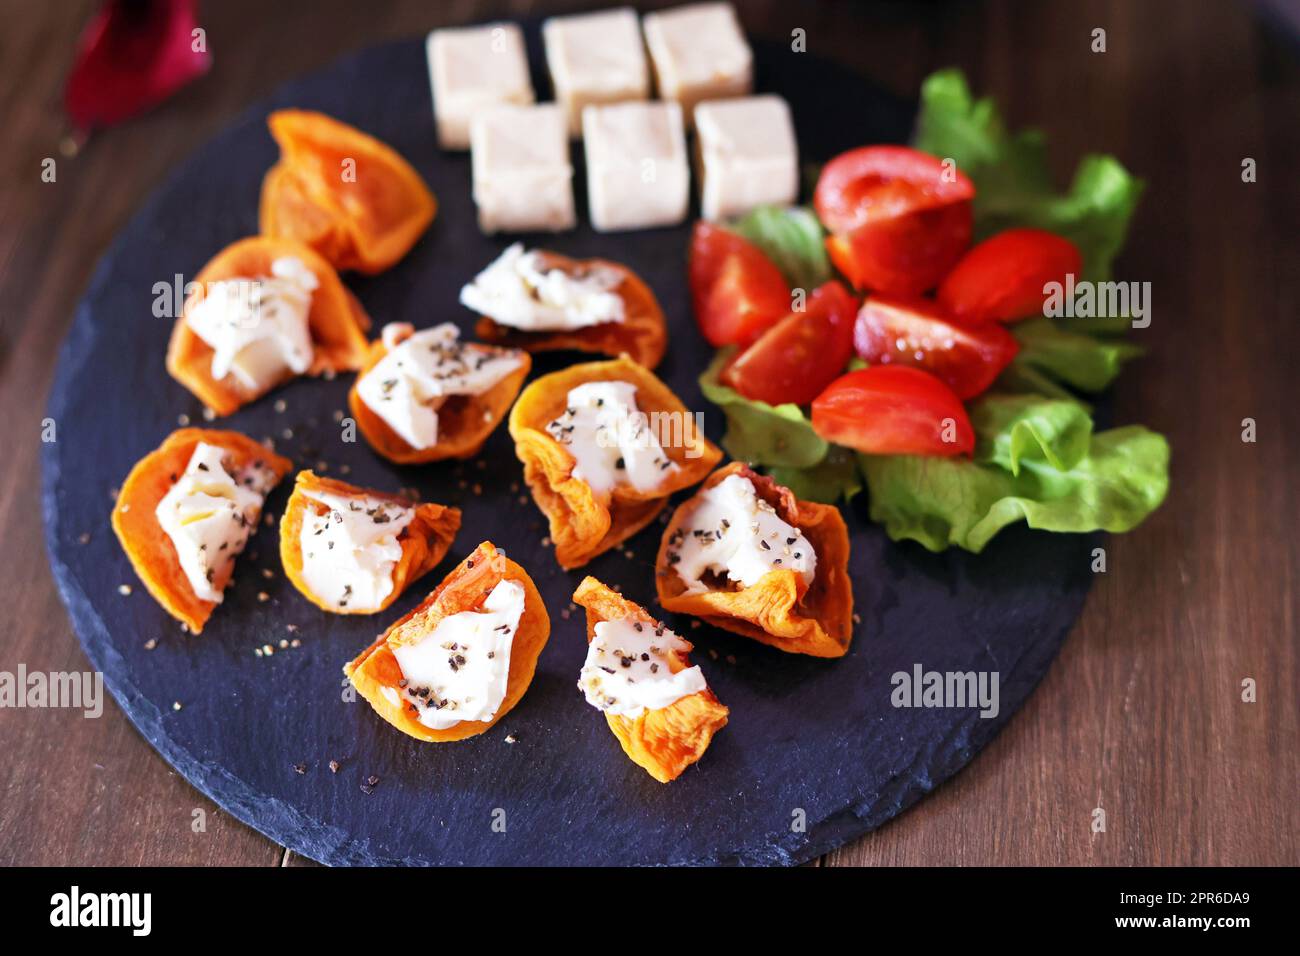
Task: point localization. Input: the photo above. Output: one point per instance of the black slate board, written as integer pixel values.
(805, 735)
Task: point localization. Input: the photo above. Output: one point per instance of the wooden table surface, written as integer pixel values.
(1141, 715)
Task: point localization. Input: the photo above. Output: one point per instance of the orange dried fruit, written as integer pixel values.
(150, 549)
(780, 609)
(664, 740)
(336, 322)
(378, 676)
(424, 540)
(348, 195)
(642, 334)
(585, 522)
(464, 421)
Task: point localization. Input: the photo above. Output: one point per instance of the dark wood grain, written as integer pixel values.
(1141, 715)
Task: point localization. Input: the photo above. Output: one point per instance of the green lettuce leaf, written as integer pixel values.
(941, 502)
(1019, 378)
(834, 478)
(1016, 429)
(1100, 325)
(792, 237)
(953, 124)
(1012, 179)
(1094, 214)
(1086, 362)
(758, 433)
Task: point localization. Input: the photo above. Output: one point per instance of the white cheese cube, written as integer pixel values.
(523, 181)
(748, 155)
(472, 69)
(595, 58)
(699, 53)
(637, 171)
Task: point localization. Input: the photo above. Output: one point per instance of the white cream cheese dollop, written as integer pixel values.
(257, 327)
(349, 552)
(731, 531)
(610, 438)
(209, 513)
(516, 290)
(627, 670)
(422, 370)
(460, 670)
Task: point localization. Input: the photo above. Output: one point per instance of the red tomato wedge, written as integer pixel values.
(1002, 278)
(883, 182)
(800, 355)
(899, 218)
(906, 255)
(893, 410)
(737, 291)
(919, 334)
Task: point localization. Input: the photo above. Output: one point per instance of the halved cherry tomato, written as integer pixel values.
(874, 183)
(800, 355)
(918, 333)
(1002, 278)
(893, 410)
(900, 218)
(737, 291)
(906, 255)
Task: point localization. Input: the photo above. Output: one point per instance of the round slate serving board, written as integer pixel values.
(809, 740)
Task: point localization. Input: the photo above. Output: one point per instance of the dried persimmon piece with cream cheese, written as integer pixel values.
(262, 312)
(542, 301)
(186, 511)
(639, 674)
(603, 445)
(425, 396)
(459, 662)
(350, 196)
(352, 550)
(746, 555)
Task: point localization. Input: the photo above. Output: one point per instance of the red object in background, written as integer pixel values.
(132, 55)
(918, 333)
(1002, 278)
(899, 218)
(893, 410)
(800, 355)
(737, 291)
